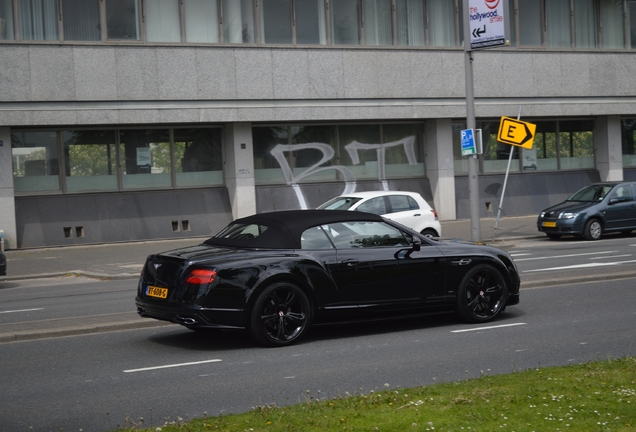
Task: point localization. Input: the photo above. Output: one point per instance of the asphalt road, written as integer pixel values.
(101, 381)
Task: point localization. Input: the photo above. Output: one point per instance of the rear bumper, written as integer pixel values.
(192, 316)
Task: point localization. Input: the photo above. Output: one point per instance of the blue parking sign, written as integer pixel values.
(468, 142)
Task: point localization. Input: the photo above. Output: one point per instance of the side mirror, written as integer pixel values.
(417, 244)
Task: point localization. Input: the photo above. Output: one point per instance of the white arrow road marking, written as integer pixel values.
(172, 365)
(580, 266)
(21, 310)
(487, 328)
(564, 256)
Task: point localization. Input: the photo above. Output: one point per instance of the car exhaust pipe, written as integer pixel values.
(186, 321)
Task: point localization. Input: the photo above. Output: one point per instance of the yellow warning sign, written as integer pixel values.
(516, 132)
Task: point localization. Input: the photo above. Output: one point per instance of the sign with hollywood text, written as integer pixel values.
(487, 24)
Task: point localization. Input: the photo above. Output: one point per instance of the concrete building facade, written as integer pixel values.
(122, 138)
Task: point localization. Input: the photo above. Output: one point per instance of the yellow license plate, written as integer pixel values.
(549, 224)
(153, 291)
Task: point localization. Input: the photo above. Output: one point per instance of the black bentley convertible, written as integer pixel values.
(275, 274)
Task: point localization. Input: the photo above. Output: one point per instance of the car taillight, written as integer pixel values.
(434, 213)
(201, 277)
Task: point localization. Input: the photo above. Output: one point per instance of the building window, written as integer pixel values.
(576, 144)
(530, 27)
(631, 21)
(294, 154)
(238, 21)
(36, 164)
(163, 23)
(145, 158)
(159, 158)
(345, 22)
(586, 34)
(543, 155)
(201, 21)
(122, 19)
(90, 160)
(310, 19)
(628, 140)
(441, 23)
(198, 157)
(38, 19)
(411, 28)
(558, 26)
(612, 24)
(290, 154)
(81, 20)
(377, 19)
(276, 21)
(6, 20)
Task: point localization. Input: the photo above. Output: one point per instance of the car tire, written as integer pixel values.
(280, 316)
(593, 230)
(554, 236)
(429, 232)
(482, 294)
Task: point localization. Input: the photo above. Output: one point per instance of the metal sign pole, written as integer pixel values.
(503, 192)
(473, 162)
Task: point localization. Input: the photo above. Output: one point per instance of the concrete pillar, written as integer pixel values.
(239, 169)
(608, 151)
(7, 196)
(439, 166)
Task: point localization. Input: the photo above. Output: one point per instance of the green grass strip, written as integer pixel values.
(596, 396)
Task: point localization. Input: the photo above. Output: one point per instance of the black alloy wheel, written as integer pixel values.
(482, 294)
(593, 230)
(281, 315)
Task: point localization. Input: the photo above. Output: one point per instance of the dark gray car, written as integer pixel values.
(592, 211)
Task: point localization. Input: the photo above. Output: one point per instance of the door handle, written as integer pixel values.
(350, 262)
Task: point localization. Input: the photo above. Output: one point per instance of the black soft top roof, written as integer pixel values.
(285, 227)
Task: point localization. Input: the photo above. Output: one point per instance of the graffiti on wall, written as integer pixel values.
(348, 177)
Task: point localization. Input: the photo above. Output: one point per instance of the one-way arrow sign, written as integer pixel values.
(478, 32)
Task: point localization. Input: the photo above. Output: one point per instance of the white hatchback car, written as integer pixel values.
(407, 208)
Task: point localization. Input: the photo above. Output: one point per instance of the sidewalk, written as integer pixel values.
(125, 260)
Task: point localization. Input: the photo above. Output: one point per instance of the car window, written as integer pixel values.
(591, 193)
(315, 238)
(346, 235)
(339, 203)
(241, 231)
(374, 205)
(623, 193)
(400, 203)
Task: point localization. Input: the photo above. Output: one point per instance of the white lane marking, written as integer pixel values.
(519, 254)
(613, 256)
(580, 266)
(21, 310)
(172, 365)
(565, 256)
(487, 328)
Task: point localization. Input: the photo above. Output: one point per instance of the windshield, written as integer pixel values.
(339, 203)
(591, 193)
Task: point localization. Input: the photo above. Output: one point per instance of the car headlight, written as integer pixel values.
(568, 215)
(542, 214)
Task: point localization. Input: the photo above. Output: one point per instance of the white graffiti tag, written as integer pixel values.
(328, 153)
